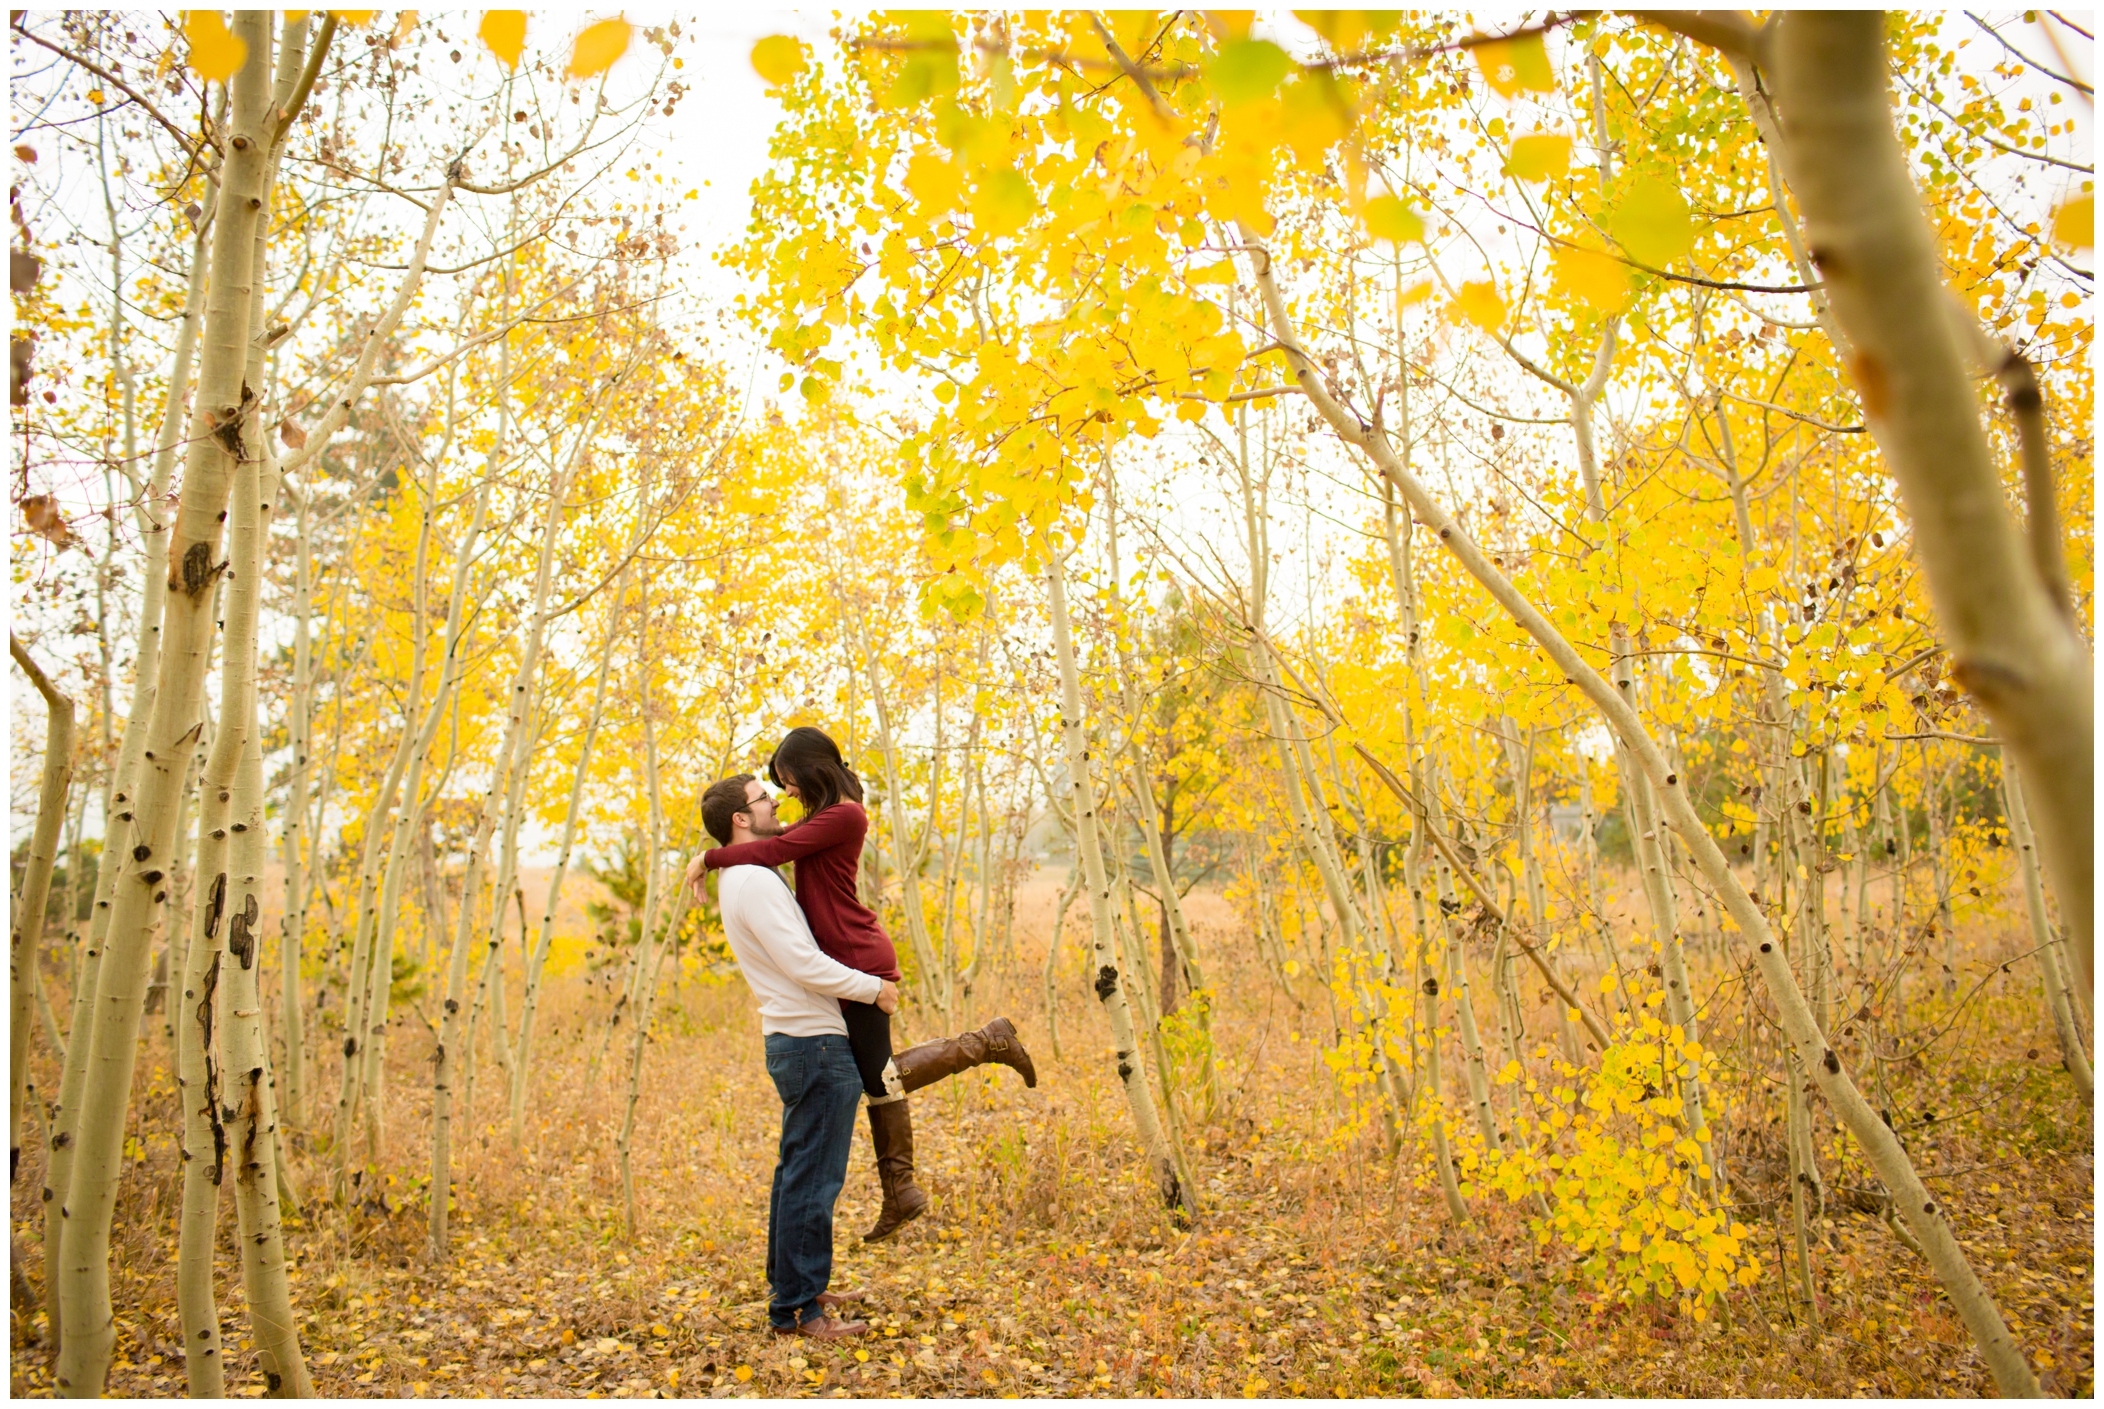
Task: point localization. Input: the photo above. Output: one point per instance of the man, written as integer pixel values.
(798, 989)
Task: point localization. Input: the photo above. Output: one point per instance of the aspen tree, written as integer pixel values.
(1109, 983)
(2016, 652)
(650, 949)
(120, 810)
(529, 1004)
(365, 956)
(509, 755)
(1147, 810)
(1880, 1146)
(415, 805)
(906, 857)
(292, 914)
(2060, 1002)
(27, 905)
(109, 1037)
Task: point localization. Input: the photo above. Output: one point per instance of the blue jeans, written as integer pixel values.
(820, 1088)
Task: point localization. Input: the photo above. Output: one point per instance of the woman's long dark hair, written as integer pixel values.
(810, 761)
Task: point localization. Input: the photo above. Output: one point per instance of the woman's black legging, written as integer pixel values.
(869, 1039)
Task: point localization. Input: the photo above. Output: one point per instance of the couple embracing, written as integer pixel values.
(825, 977)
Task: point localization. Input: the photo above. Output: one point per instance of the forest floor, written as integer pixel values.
(1316, 1264)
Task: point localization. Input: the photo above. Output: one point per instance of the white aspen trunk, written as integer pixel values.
(650, 952)
(292, 920)
(1473, 1067)
(317, 439)
(1148, 812)
(365, 947)
(1396, 529)
(1880, 1145)
(508, 755)
(26, 908)
(529, 1004)
(199, 1069)
(1109, 983)
(2016, 652)
(409, 821)
(902, 851)
(111, 1037)
(1070, 888)
(2059, 1002)
(120, 810)
(1646, 836)
(251, 1117)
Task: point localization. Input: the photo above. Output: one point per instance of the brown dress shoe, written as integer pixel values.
(829, 1300)
(824, 1328)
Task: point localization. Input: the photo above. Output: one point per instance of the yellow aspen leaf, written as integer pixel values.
(216, 53)
(1220, 273)
(933, 182)
(1599, 279)
(1314, 115)
(1539, 155)
(778, 58)
(743, 1372)
(1247, 71)
(504, 33)
(355, 18)
(928, 73)
(1387, 218)
(1607, 983)
(1511, 66)
(2075, 224)
(1002, 202)
(1479, 303)
(1416, 293)
(598, 46)
(95, 95)
(404, 27)
(1652, 222)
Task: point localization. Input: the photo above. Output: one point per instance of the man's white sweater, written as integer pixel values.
(796, 984)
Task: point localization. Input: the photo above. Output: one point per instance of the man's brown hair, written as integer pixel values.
(722, 802)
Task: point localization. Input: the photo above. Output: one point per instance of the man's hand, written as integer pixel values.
(888, 998)
(697, 879)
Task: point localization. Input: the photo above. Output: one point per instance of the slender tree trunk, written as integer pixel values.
(1109, 983)
(2059, 1001)
(908, 866)
(61, 1128)
(529, 1004)
(26, 934)
(293, 918)
(111, 1038)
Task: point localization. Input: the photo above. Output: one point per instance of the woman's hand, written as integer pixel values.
(888, 998)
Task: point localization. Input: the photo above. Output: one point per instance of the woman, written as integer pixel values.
(827, 849)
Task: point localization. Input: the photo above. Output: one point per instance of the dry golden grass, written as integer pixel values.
(1314, 1265)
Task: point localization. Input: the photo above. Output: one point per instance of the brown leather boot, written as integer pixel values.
(930, 1062)
(891, 1133)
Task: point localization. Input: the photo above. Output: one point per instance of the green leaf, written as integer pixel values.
(1248, 71)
